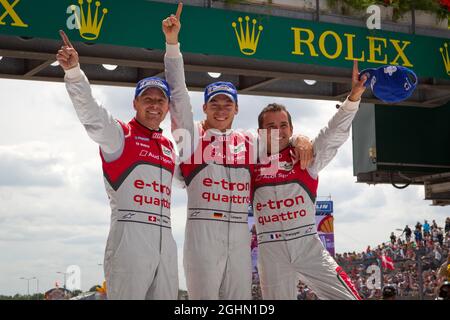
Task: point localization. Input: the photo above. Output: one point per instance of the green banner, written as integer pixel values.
(137, 23)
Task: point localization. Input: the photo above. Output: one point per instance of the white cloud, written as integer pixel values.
(30, 165)
(55, 211)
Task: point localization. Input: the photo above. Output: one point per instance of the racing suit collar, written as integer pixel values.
(215, 132)
(272, 156)
(284, 150)
(157, 134)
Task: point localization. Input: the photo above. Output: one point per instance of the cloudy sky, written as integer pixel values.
(54, 211)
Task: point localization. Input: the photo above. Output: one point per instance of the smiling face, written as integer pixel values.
(151, 108)
(278, 129)
(220, 112)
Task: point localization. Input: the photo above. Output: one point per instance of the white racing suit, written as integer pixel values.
(138, 165)
(217, 173)
(284, 210)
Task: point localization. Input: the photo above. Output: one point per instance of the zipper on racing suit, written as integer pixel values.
(158, 146)
(230, 204)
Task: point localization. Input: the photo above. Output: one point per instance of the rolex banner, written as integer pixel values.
(324, 223)
(137, 23)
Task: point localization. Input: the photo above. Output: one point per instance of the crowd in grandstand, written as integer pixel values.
(420, 258)
(431, 245)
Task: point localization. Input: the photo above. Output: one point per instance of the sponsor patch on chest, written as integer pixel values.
(166, 151)
(284, 165)
(238, 148)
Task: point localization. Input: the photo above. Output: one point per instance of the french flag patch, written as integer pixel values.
(275, 236)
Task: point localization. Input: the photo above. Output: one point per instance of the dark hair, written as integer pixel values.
(273, 107)
(444, 291)
(389, 291)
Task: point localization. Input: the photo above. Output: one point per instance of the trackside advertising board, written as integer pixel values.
(325, 224)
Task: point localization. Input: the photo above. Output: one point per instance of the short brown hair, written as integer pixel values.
(273, 107)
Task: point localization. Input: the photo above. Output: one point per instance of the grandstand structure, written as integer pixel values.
(285, 48)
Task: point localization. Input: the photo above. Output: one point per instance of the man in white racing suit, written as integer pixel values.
(216, 166)
(138, 164)
(284, 207)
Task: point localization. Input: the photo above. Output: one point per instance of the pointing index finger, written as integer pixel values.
(179, 9)
(355, 70)
(65, 39)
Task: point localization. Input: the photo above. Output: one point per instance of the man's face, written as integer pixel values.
(278, 129)
(220, 112)
(151, 108)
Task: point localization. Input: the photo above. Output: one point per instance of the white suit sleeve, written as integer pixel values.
(330, 138)
(98, 122)
(184, 129)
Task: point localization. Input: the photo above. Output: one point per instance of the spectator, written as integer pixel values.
(434, 225)
(358, 281)
(429, 244)
(407, 232)
(418, 226)
(444, 291)
(393, 238)
(365, 292)
(434, 235)
(447, 225)
(437, 257)
(375, 294)
(426, 228)
(418, 235)
(440, 236)
(256, 292)
(389, 292)
(428, 288)
(254, 238)
(301, 293)
(310, 295)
